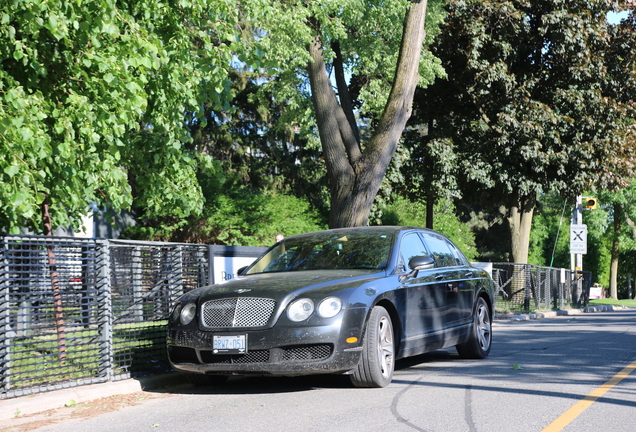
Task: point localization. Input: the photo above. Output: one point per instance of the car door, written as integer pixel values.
(423, 296)
(448, 273)
(467, 278)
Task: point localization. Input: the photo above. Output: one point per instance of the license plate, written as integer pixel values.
(234, 344)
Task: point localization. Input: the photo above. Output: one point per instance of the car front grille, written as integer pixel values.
(237, 312)
(258, 356)
(182, 355)
(307, 352)
(296, 353)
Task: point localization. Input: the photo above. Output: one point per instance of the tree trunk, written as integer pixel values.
(430, 210)
(355, 174)
(632, 225)
(55, 284)
(615, 252)
(520, 222)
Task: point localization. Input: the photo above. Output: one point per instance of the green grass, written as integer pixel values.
(35, 359)
(610, 301)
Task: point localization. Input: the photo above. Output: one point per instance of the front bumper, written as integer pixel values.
(279, 350)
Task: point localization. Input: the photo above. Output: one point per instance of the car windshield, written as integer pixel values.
(328, 251)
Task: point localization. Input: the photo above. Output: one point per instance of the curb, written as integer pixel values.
(565, 312)
(35, 403)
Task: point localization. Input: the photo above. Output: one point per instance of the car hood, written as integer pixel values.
(287, 285)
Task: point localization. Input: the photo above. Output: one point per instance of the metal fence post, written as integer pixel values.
(104, 314)
(526, 287)
(177, 266)
(5, 323)
(137, 294)
(211, 280)
(202, 263)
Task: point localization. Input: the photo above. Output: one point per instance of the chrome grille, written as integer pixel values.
(258, 356)
(307, 352)
(237, 312)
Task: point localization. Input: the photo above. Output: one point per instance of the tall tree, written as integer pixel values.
(525, 105)
(355, 173)
(621, 85)
(259, 144)
(92, 94)
(362, 61)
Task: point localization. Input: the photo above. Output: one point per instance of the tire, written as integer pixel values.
(480, 340)
(202, 380)
(377, 362)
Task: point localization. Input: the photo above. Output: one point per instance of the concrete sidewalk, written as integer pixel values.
(32, 404)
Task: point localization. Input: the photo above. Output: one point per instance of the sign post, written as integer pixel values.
(578, 247)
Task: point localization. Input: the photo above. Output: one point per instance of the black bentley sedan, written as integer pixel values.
(351, 300)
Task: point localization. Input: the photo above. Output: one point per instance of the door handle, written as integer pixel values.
(439, 277)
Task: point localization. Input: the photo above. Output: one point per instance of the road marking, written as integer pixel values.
(588, 400)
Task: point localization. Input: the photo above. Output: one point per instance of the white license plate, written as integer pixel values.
(234, 344)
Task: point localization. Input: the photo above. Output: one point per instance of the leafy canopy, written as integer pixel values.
(92, 93)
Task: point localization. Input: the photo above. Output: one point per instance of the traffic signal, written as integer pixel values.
(590, 203)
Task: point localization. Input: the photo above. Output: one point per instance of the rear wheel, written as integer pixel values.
(377, 362)
(478, 345)
(202, 380)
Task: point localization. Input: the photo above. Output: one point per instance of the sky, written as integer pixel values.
(614, 17)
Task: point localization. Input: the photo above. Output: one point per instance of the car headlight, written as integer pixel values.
(329, 307)
(188, 313)
(175, 312)
(300, 310)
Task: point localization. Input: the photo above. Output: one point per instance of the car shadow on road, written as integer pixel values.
(278, 384)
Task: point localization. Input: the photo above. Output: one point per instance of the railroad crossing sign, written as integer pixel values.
(578, 239)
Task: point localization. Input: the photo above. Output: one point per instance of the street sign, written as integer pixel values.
(578, 239)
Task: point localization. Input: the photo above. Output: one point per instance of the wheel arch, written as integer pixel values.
(484, 293)
(395, 321)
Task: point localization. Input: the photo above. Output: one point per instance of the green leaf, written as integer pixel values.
(19, 198)
(12, 170)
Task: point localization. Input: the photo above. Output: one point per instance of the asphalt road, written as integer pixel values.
(570, 370)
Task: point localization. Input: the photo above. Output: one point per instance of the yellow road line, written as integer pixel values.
(588, 400)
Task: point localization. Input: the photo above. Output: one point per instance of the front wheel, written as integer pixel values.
(377, 362)
(480, 340)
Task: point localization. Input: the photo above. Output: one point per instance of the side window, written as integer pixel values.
(410, 247)
(441, 250)
(459, 256)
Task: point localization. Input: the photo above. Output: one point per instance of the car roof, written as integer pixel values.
(378, 228)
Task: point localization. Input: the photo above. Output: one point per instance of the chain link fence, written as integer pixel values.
(529, 288)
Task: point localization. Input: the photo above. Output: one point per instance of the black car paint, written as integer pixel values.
(438, 303)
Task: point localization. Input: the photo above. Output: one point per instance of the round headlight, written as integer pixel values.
(329, 307)
(175, 312)
(300, 310)
(187, 313)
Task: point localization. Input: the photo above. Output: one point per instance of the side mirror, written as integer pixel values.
(240, 271)
(421, 263)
